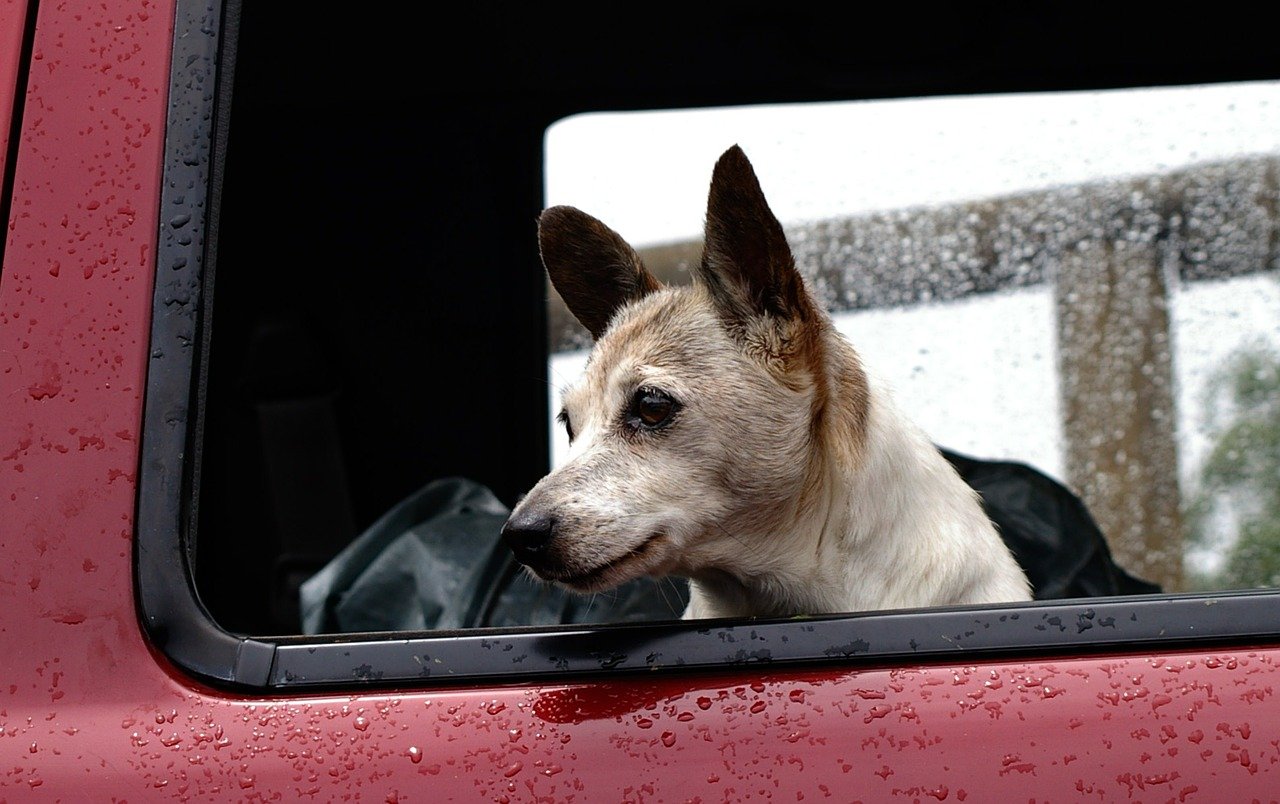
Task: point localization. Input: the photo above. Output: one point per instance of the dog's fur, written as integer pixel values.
(783, 481)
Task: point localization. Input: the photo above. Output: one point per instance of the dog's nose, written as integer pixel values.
(527, 533)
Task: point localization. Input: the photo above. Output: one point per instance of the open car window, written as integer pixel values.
(350, 311)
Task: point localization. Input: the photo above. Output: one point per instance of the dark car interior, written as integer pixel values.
(380, 311)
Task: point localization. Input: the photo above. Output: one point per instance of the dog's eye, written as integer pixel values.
(563, 418)
(651, 407)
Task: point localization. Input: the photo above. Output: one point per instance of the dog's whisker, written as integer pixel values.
(753, 548)
(661, 591)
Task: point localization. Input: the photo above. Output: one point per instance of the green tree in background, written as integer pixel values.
(1238, 504)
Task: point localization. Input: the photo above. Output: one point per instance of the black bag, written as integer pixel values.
(1049, 531)
(436, 561)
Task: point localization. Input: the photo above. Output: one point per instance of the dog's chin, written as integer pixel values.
(645, 559)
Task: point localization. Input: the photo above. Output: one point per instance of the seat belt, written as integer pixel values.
(307, 485)
(288, 386)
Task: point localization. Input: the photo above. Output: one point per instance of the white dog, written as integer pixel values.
(725, 432)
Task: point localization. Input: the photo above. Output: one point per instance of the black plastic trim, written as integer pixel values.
(182, 628)
(171, 610)
(957, 634)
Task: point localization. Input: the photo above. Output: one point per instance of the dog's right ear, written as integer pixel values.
(591, 266)
(746, 264)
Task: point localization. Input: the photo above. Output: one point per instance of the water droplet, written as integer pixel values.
(876, 712)
(668, 738)
(415, 754)
(361, 723)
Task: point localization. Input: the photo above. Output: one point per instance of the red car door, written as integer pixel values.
(106, 696)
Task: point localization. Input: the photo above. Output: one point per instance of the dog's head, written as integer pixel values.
(696, 428)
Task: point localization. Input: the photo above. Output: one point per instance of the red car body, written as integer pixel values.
(91, 709)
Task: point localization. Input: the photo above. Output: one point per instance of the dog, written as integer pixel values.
(726, 433)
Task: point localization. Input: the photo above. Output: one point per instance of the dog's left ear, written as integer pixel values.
(746, 263)
(594, 270)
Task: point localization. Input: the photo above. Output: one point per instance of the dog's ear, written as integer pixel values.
(746, 263)
(591, 266)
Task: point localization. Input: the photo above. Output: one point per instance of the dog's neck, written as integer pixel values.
(884, 523)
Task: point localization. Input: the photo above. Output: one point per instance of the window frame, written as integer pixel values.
(180, 626)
